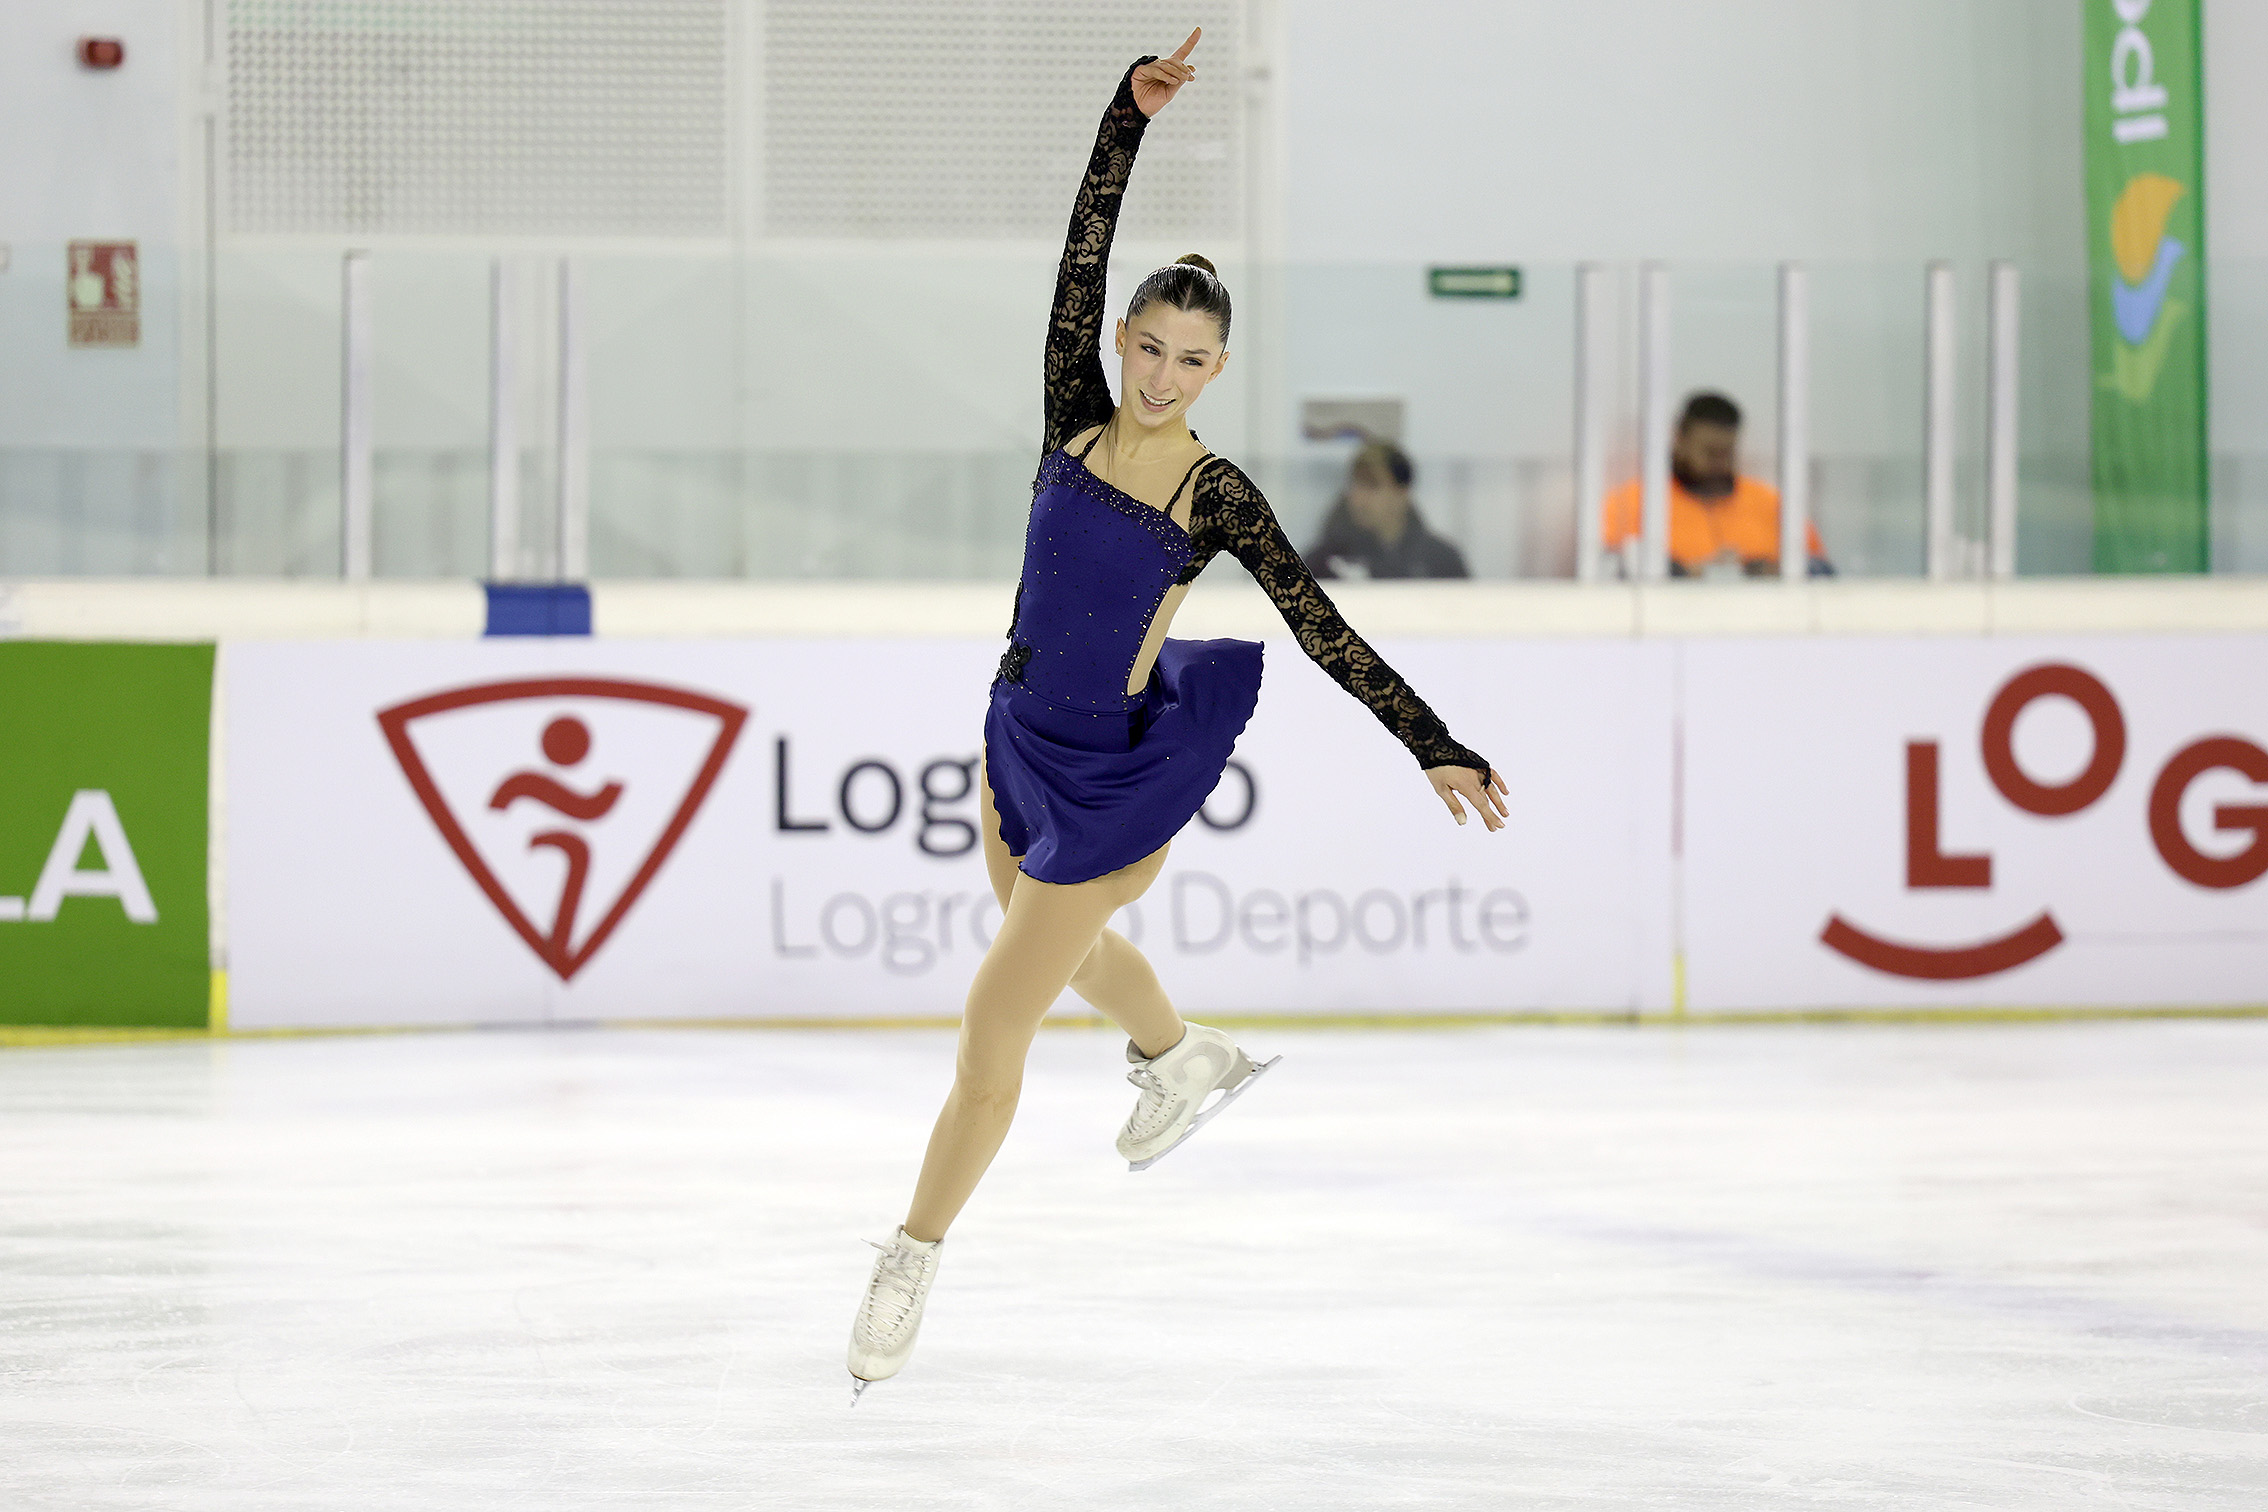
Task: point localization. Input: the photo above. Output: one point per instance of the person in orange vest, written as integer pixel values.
(1720, 523)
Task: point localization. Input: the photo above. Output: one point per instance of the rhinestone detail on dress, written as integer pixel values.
(1060, 466)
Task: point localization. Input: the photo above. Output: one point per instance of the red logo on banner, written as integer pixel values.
(1929, 865)
(563, 796)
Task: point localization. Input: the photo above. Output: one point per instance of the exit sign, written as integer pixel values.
(1473, 283)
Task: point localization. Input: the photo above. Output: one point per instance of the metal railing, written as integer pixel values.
(399, 413)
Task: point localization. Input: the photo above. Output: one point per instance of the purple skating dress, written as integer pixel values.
(1086, 777)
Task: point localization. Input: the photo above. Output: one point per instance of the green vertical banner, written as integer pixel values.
(2146, 250)
(104, 751)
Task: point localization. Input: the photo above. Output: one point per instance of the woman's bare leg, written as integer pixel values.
(1116, 978)
(1046, 933)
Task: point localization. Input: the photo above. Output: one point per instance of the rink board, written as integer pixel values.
(784, 828)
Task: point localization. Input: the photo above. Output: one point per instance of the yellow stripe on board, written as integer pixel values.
(1626, 1019)
(28, 1035)
(22, 1035)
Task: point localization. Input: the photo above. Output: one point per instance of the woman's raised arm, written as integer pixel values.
(1076, 394)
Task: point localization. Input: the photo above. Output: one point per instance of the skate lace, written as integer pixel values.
(1154, 1108)
(895, 1291)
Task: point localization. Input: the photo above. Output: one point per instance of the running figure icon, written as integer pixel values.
(648, 755)
(566, 741)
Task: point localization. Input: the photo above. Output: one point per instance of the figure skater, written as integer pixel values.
(1104, 737)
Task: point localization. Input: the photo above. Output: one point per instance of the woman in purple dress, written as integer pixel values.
(1104, 737)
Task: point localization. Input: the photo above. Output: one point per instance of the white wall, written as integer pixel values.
(1820, 129)
(1462, 128)
(92, 474)
(91, 154)
(88, 155)
(2236, 128)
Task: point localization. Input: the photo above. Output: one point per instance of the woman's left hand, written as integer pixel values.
(1455, 782)
(1158, 81)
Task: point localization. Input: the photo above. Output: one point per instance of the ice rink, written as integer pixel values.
(1740, 1268)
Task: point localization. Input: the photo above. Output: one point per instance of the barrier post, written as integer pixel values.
(1940, 542)
(2001, 434)
(1654, 419)
(503, 427)
(1594, 377)
(355, 522)
(574, 501)
(1795, 423)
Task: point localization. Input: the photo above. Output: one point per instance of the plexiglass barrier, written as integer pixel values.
(876, 414)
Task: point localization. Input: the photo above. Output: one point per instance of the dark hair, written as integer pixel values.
(1710, 409)
(1385, 454)
(1189, 282)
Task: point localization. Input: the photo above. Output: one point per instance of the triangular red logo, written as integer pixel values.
(600, 774)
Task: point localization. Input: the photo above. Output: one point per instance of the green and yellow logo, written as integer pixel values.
(2142, 310)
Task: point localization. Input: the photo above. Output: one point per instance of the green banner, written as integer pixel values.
(103, 828)
(2146, 250)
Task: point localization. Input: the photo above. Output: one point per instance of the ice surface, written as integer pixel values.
(1737, 1268)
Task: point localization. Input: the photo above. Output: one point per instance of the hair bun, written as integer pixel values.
(1186, 283)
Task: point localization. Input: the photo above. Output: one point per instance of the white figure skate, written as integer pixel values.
(882, 1336)
(1174, 1086)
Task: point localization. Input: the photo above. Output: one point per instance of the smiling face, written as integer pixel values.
(1166, 357)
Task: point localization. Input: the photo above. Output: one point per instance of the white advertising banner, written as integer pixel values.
(522, 831)
(1960, 822)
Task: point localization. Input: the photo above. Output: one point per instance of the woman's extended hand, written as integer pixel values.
(1454, 782)
(1156, 83)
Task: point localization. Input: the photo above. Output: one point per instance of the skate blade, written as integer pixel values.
(1206, 1117)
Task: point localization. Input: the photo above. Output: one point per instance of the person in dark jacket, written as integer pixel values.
(1375, 530)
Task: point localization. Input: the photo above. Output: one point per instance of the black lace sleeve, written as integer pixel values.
(1077, 395)
(1231, 514)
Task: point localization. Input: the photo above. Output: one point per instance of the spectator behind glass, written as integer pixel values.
(1374, 530)
(1721, 524)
